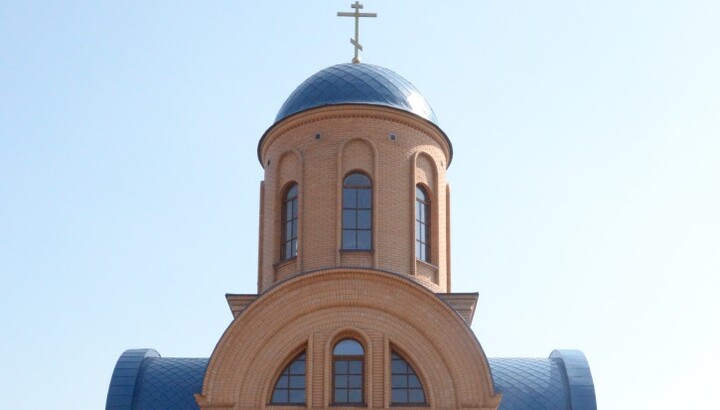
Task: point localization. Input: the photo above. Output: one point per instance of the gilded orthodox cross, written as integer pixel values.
(356, 41)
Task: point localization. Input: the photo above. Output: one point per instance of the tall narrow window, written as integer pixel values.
(290, 223)
(357, 212)
(422, 224)
(348, 372)
(290, 386)
(406, 387)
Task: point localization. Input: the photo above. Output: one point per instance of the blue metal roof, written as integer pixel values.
(169, 383)
(579, 378)
(560, 382)
(357, 84)
(529, 384)
(121, 394)
(144, 380)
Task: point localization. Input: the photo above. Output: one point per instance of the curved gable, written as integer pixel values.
(315, 308)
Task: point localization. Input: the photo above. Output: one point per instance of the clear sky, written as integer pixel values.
(585, 181)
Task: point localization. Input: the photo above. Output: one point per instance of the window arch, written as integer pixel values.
(422, 224)
(290, 223)
(357, 212)
(290, 385)
(405, 384)
(348, 372)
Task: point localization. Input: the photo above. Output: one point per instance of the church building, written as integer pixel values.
(354, 306)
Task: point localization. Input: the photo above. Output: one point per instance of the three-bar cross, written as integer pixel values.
(356, 41)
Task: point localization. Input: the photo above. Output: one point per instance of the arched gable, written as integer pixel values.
(379, 309)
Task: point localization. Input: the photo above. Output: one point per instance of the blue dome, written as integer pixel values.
(357, 84)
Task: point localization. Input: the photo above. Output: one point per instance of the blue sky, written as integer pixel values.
(585, 181)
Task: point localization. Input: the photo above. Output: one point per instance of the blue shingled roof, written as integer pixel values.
(560, 382)
(144, 380)
(530, 384)
(356, 84)
(169, 383)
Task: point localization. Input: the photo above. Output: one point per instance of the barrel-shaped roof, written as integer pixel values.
(144, 380)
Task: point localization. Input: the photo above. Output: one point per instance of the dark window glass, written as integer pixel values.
(348, 372)
(357, 212)
(357, 179)
(348, 347)
(290, 223)
(349, 239)
(422, 224)
(349, 220)
(364, 198)
(364, 240)
(349, 197)
(406, 387)
(290, 386)
(364, 220)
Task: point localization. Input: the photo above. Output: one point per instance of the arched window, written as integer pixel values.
(290, 386)
(348, 372)
(422, 224)
(357, 212)
(290, 223)
(406, 387)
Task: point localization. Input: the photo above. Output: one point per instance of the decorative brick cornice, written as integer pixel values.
(355, 111)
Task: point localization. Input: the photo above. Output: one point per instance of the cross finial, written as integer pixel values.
(356, 41)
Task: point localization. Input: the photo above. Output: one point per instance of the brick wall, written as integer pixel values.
(317, 149)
